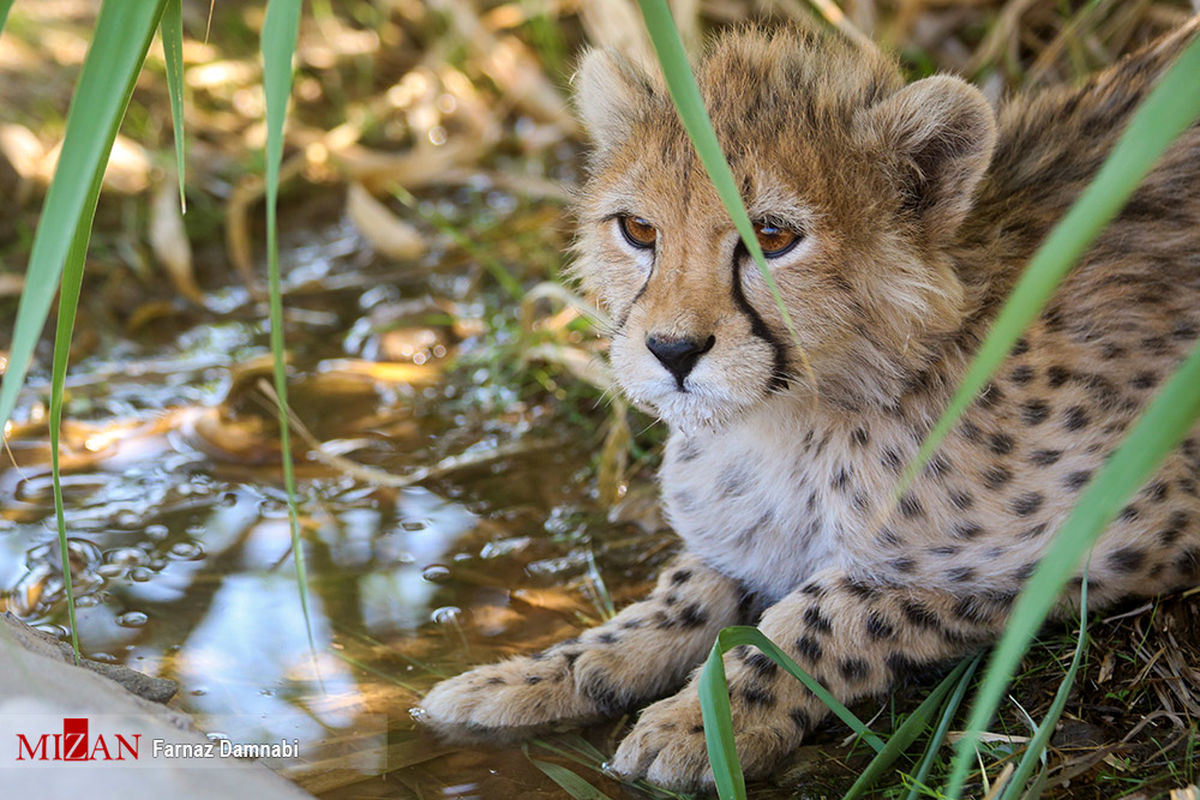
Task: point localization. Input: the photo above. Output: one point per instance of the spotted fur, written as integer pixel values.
(918, 207)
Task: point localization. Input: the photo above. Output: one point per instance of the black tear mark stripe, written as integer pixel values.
(629, 308)
(757, 327)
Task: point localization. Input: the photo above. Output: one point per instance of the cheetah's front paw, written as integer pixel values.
(510, 699)
(667, 745)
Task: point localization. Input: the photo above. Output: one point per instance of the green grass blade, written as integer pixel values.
(584, 757)
(681, 83)
(171, 30)
(5, 5)
(583, 747)
(569, 781)
(1041, 737)
(1163, 116)
(280, 30)
(939, 735)
(718, 726)
(899, 741)
(579, 750)
(718, 722)
(68, 303)
(114, 60)
(378, 673)
(119, 44)
(1038, 787)
(1163, 425)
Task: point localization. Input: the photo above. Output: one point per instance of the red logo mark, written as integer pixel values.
(74, 744)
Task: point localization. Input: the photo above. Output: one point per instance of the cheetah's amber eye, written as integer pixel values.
(637, 231)
(775, 241)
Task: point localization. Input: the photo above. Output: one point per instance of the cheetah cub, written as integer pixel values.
(895, 218)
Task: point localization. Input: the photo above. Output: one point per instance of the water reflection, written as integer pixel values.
(181, 546)
(251, 653)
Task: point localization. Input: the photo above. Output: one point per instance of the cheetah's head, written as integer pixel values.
(856, 183)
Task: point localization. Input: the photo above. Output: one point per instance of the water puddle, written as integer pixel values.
(180, 544)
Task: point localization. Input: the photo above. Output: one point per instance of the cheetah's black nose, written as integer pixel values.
(679, 355)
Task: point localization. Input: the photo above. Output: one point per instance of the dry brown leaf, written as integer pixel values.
(23, 150)
(248, 191)
(549, 599)
(511, 65)
(387, 233)
(385, 371)
(11, 285)
(422, 167)
(169, 242)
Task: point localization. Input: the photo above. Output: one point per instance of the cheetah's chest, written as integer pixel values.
(755, 501)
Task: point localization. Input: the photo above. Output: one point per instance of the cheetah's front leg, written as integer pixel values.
(644, 652)
(856, 638)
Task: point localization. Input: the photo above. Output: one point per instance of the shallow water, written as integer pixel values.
(180, 544)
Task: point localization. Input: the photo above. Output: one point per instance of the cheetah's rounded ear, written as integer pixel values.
(942, 131)
(610, 95)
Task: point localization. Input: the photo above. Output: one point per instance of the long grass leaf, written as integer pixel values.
(280, 30)
(1171, 107)
(120, 40)
(1041, 737)
(718, 727)
(569, 781)
(5, 5)
(939, 735)
(68, 303)
(681, 84)
(378, 673)
(582, 746)
(1166, 113)
(171, 31)
(718, 722)
(573, 753)
(1038, 787)
(582, 752)
(106, 82)
(899, 741)
(1163, 425)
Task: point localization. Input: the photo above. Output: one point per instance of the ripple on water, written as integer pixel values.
(132, 619)
(187, 551)
(446, 615)
(126, 557)
(436, 573)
